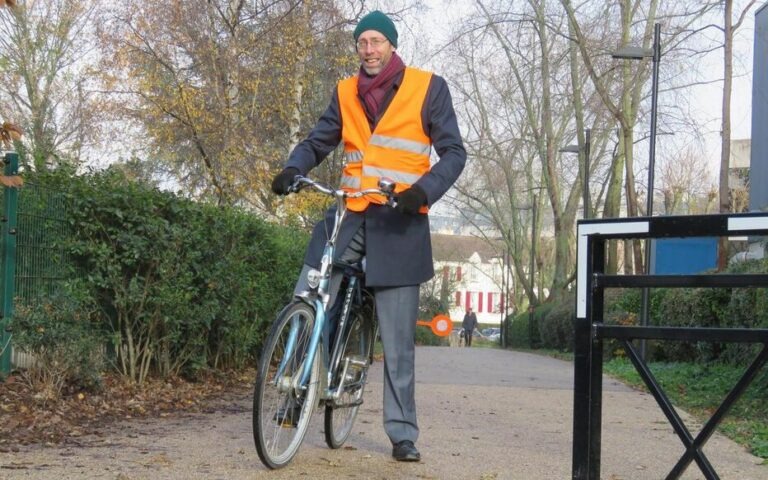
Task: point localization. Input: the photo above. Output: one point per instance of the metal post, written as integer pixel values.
(645, 303)
(508, 275)
(533, 271)
(587, 141)
(502, 305)
(588, 372)
(10, 199)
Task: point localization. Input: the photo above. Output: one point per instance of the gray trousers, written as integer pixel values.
(397, 309)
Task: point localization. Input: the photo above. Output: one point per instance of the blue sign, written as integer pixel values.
(683, 256)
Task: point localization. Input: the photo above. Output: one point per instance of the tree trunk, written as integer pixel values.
(725, 128)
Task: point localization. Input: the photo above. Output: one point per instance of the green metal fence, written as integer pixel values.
(40, 259)
(8, 259)
(33, 261)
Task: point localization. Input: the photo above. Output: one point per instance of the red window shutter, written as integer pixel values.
(458, 273)
(446, 271)
(468, 297)
(490, 302)
(458, 299)
(480, 302)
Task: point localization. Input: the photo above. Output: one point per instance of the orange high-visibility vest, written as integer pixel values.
(397, 149)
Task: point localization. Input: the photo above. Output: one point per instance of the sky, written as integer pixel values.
(435, 21)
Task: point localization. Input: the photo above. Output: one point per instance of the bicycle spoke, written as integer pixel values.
(281, 414)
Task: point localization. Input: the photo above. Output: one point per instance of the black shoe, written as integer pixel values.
(288, 417)
(405, 451)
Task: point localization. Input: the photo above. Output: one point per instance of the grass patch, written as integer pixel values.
(700, 388)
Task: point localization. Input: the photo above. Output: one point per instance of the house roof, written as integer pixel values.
(459, 248)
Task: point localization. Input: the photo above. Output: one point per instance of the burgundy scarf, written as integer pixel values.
(374, 89)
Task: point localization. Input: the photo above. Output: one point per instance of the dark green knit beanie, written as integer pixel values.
(378, 21)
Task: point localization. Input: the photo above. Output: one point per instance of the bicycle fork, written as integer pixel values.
(299, 379)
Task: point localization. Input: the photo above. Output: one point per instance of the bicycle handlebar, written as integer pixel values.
(386, 188)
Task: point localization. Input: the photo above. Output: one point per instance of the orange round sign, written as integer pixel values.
(440, 324)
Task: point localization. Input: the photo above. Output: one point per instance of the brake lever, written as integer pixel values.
(297, 184)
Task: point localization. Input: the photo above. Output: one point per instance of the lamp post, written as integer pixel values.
(508, 276)
(635, 53)
(533, 270)
(586, 149)
(503, 297)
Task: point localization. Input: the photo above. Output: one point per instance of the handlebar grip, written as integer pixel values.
(297, 184)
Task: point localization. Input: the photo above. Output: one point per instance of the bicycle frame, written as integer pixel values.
(319, 295)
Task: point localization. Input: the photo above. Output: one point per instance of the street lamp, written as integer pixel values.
(635, 53)
(578, 149)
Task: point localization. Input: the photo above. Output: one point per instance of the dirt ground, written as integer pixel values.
(483, 413)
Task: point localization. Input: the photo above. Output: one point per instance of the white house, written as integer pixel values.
(473, 267)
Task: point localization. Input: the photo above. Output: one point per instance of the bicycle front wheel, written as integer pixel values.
(352, 374)
(282, 409)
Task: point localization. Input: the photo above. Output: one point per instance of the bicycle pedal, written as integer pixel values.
(356, 403)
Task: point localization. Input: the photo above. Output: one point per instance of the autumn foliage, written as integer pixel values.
(223, 93)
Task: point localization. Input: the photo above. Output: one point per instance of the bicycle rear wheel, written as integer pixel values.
(281, 409)
(340, 414)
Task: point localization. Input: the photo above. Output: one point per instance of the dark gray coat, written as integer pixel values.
(398, 246)
(469, 324)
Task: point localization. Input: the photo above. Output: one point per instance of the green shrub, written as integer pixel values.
(695, 307)
(65, 343)
(521, 333)
(556, 327)
(517, 328)
(180, 286)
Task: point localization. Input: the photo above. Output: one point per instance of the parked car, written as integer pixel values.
(492, 333)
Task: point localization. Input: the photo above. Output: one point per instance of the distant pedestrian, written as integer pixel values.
(469, 324)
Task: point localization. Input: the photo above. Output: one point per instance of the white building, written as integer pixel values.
(473, 268)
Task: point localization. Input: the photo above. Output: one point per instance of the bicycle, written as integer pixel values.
(308, 360)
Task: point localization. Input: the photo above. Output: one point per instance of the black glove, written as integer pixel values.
(283, 180)
(411, 200)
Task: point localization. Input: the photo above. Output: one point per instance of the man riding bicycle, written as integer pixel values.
(388, 116)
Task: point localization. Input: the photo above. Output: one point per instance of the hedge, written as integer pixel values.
(170, 285)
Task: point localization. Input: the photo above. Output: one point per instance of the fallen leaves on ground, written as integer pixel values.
(25, 418)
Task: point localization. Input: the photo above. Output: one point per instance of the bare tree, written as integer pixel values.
(45, 49)
(686, 184)
(729, 28)
(515, 89)
(635, 20)
(9, 132)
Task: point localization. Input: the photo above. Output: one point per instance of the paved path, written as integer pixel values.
(484, 414)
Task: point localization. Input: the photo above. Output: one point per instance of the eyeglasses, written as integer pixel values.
(374, 43)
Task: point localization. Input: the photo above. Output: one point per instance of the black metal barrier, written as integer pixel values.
(590, 330)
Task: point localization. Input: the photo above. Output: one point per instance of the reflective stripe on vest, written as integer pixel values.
(398, 149)
(351, 157)
(397, 176)
(401, 144)
(350, 183)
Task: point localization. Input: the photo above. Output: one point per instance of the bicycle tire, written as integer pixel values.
(340, 414)
(281, 414)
